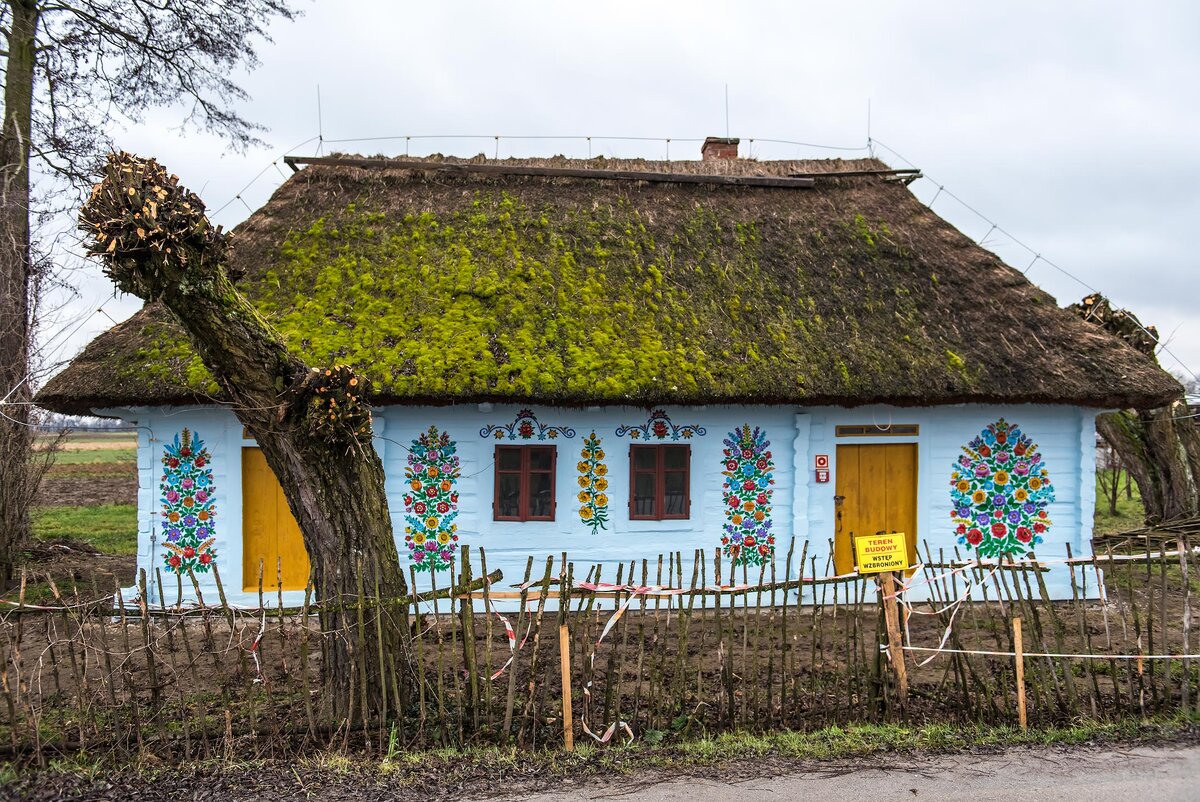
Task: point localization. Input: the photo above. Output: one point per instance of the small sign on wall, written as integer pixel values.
(821, 462)
(877, 553)
(822, 476)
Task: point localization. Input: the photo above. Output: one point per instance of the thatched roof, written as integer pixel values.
(458, 285)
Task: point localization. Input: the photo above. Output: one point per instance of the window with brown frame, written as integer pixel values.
(524, 483)
(659, 482)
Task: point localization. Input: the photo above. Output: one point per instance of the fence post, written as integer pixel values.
(564, 659)
(891, 612)
(1019, 656)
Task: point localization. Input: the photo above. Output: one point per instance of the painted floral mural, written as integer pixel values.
(999, 491)
(660, 427)
(526, 426)
(431, 502)
(749, 475)
(188, 505)
(593, 485)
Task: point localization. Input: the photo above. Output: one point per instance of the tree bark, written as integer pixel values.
(312, 425)
(18, 482)
(1161, 449)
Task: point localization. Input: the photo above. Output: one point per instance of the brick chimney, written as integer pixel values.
(717, 147)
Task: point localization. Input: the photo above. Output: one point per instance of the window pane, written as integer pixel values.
(643, 494)
(509, 459)
(675, 494)
(645, 458)
(675, 457)
(508, 504)
(541, 502)
(540, 458)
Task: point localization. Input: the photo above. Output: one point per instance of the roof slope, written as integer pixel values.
(460, 286)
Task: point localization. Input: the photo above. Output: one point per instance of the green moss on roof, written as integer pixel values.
(582, 291)
(492, 300)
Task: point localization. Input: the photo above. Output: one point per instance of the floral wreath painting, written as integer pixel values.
(526, 427)
(749, 474)
(593, 485)
(999, 492)
(188, 506)
(660, 427)
(431, 502)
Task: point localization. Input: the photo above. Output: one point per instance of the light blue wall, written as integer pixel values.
(800, 506)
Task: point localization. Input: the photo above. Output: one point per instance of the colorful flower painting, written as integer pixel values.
(999, 491)
(431, 501)
(188, 505)
(526, 427)
(749, 475)
(660, 427)
(593, 485)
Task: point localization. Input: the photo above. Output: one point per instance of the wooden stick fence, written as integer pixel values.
(656, 650)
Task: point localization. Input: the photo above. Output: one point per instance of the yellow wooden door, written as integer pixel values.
(877, 485)
(270, 534)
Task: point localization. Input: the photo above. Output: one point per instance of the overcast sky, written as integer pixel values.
(1070, 125)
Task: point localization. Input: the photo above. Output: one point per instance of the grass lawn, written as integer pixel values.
(110, 528)
(1129, 512)
(95, 456)
(91, 448)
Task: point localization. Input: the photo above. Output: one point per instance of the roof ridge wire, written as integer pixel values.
(273, 163)
(582, 137)
(1162, 345)
(408, 137)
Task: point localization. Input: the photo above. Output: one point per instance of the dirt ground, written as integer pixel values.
(84, 485)
(75, 563)
(1099, 773)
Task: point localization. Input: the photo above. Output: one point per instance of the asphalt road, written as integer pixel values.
(1142, 774)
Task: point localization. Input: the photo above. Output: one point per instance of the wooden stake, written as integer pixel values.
(891, 612)
(564, 660)
(1019, 648)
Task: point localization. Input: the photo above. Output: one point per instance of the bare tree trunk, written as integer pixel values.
(1161, 449)
(18, 483)
(312, 425)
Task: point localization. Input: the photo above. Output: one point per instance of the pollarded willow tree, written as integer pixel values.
(1159, 447)
(154, 240)
(72, 69)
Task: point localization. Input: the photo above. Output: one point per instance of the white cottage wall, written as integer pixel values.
(800, 506)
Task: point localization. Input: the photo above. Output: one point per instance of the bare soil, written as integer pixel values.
(1091, 773)
(84, 485)
(74, 563)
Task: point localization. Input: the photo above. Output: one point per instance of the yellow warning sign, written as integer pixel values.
(877, 553)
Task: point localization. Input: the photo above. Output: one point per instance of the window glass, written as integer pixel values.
(644, 491)
(540, 458)
(675, 494)
(524, 483)
(509, 459)
(541, 500)
(508, 498)
(659, 477)
(675, 457)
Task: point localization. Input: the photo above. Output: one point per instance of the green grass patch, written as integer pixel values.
(476, 768)
(1130, 514)
(110, 528)
(95, 456)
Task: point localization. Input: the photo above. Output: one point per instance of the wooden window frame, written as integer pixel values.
(873, 430)
(524, 473)
(660, 482)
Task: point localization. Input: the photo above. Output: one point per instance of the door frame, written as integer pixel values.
(912, 442)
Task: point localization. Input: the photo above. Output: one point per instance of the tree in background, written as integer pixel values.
(73, 68)
(1159, 447)
(313, 425)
